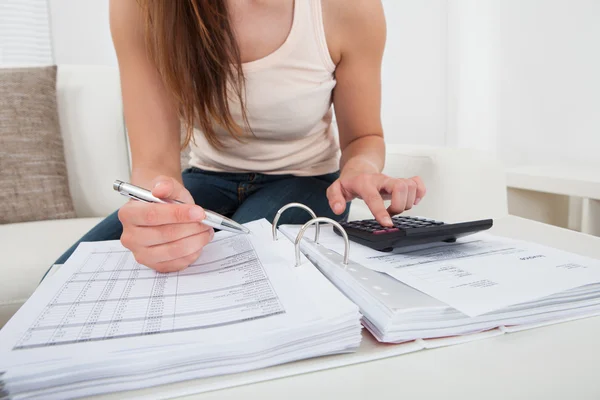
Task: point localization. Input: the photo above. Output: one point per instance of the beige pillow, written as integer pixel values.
(33, 173)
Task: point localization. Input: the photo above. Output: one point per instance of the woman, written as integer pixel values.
(253, 83)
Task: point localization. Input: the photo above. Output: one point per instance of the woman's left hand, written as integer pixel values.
(374, 188)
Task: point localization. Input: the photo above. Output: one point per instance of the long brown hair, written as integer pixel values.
(193, 46)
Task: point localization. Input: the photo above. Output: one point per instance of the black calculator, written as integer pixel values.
(409, 231)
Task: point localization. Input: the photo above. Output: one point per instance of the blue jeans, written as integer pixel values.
(244, 197)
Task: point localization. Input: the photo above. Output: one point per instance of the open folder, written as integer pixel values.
(436, 291)
(103, 323)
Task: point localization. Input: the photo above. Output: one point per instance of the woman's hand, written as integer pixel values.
(165, 237)
(374, 188)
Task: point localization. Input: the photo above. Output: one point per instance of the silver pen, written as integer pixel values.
(212, 218)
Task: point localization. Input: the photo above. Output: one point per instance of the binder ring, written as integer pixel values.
(316, 221)
(290, 205)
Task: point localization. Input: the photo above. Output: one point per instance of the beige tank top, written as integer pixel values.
(288, 103)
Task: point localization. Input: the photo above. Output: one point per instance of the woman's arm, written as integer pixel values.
(164, 237)
(152, 123)
(356, 32)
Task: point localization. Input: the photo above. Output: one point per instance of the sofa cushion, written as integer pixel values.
(34, 175)
(28, 250)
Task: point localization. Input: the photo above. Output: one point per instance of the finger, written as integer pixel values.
(165, 187)
(411, 193)
(180, 263)
(336, 199)
(375, 203)
(177, 265)
(144, 214)
(399, 190)
(421, 190)
(147, 236)
(163, 253)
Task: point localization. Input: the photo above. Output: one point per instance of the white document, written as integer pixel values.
(111, 296)
(479, 274)
(104, 323)
(237, 287)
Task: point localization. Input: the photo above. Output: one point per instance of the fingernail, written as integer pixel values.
(337, 207)
(417, 201)
(387, 221)
(157, 184)
(196, 214)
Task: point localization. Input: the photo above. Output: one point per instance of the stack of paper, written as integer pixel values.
(480, 283)
(104, 323)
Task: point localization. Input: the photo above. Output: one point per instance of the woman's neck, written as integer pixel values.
(260, 26)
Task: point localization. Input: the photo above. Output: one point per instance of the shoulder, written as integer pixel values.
(353, 25)
(126, 23)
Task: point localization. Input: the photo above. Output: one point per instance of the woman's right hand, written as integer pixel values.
(165, 237)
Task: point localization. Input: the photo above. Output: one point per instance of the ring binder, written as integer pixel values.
(291, 205)
(316, 221)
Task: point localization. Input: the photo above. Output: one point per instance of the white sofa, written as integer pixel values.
(460, 184)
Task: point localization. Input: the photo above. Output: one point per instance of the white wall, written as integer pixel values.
(524, 80)
(549, 81)
(472, 74)
(414, 72)
(81, 33)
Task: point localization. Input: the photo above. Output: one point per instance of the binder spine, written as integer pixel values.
(317, 221)
(294, 205)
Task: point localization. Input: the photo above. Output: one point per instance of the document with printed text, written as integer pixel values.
(104, 323)
(479, 274)
(110, 296)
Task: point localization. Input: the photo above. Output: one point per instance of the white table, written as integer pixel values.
(556, 362)
(582, 182)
